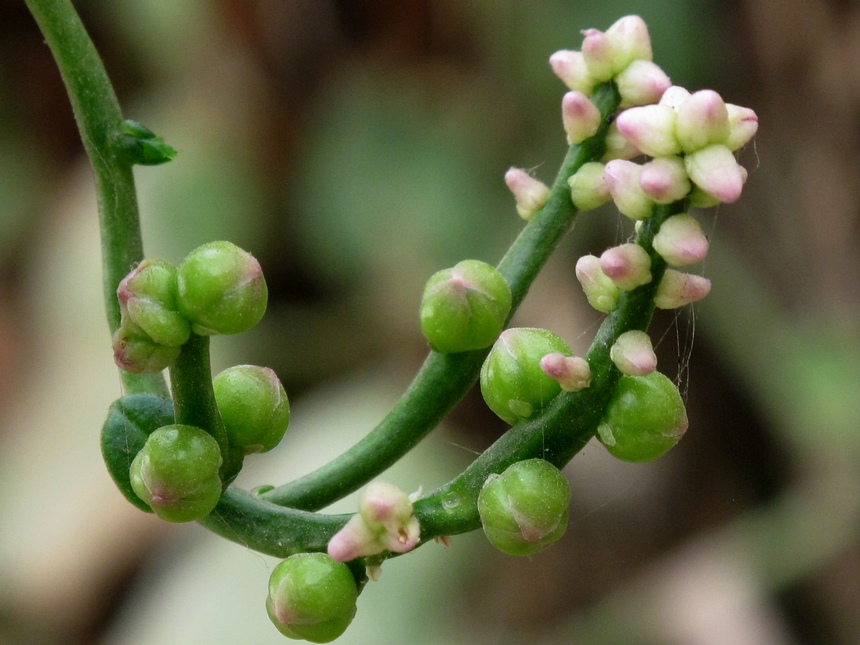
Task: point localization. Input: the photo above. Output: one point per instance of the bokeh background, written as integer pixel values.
(356, 146)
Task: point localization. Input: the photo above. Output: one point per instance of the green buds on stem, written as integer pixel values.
(135, 351)
(644, 418)
(253, 406)
(525, 508)
(465, 307)
(176, 473)
(311, 597)
(147, 296)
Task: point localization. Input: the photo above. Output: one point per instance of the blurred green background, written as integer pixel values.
(356, 146)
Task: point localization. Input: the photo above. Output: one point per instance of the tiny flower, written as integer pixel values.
(665, 180)
(633, 353)
(641, 83)
(570, 67)
(680, 241)
(580, 117)
(600, 290)
(743, 124)
(715, 170)
(572, 372)
(529, 193)
(632, 42)
(702, 120)
(622, 179)
(617, 146)
(588, 187)
(678, 289)
(627, 265)
(651, 128)
(600, 55)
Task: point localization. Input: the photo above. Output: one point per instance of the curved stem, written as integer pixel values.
(445, 379)
(99, 117)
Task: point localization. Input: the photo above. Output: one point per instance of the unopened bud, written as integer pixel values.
(627, 265)
(715, 170)
(633, 353)
(631, 39)
(570, 67)
(147, 295)
(622, 179)
(743, 124)
(572, 372)
(674, 96)
(530, 193)
(617, 145)
(600, 55)
(678, 289)
(588, 188)
(702, 120)
(651, 128)
(665, 180)
(681, 241)
(580, 117)
(600, 290)
(641, 83)
(135, 351)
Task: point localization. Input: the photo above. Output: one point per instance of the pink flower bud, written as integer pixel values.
(600, 55)
(580, 116)
(529, 193)
(617, 147)
(354, 540)
(601, 292)
(633, 354)
(631, 39)
(622, 179)
(651, 128)
(715, 170)
(641, 83)
(743, 124)
(572, 372)
(680, 241)
(674, 96)
(570, 67)
(702, 120)
(588, 187)
(665, 180)
(678, 289)
(627, 265)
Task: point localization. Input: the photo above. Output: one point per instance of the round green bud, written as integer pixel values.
(644, 418)
(512, 382)
(311, 597)
(147, 295)
(525, 508)
(253, 406)
(464, 308)
(221, 289)
(176, 473)
(135, 351)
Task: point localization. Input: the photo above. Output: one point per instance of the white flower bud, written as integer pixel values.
(622, 179)
(651, 128)
(633, 354)
(588, 188)
(743, 124)
(627, 265)
(641, 83)
(570, 67)
(600, 54)
(580, 116)
(678, 289)
(665, 180)
(702, 120)
(572, 372)
(617, 146)
(530, 193)
(632, 42)
(715, 170)
(680, 241)
(601, 292)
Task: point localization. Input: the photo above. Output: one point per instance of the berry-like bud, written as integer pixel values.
(135, 351)
(147, 295)
(311, 597)
(464, 308)
(529, 193)
(644, 418)
(680, 241)
(524, 509)
(627, 265)
(623, 180)
(570, 67)
(678, 289)
(221, 289)
(176, 473)
(665, 180)
(573, 373)
(702, 120)
(633, 353)
(512, 383)
(580, 117)
(588, 187)
(600, 290)
(715, 170)
(743, 124)
(253, 407)
(641, 83)
(651, 128)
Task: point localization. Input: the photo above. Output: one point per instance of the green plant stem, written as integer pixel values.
(445, 379)
(98, 116)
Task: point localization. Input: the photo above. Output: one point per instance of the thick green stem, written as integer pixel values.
(98, 115)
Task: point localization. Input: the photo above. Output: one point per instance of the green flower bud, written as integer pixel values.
(135, 351)
(464, 308)
(525, 508)
(147, 295)
(253, 406)
(221, 289)
(311, 597)
(512, 382)
(644, 418)
(176, 473)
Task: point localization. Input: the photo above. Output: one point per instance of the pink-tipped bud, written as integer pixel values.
(665, 180)
(674, 96)
(617, 146)
(715, 170)
(631, 39)
(700, 199)
(622, 179)
(743, 124)
(572, 372)
(601, 292)
(354, 540)
(633, 354)
(680, 241)
(627, 265)
(641, 83)
(588, 187)
(651, 128)
(678, 289)
(580, 116)
(530, 193)
(600, 55)
(702, 120)
(570, 67)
